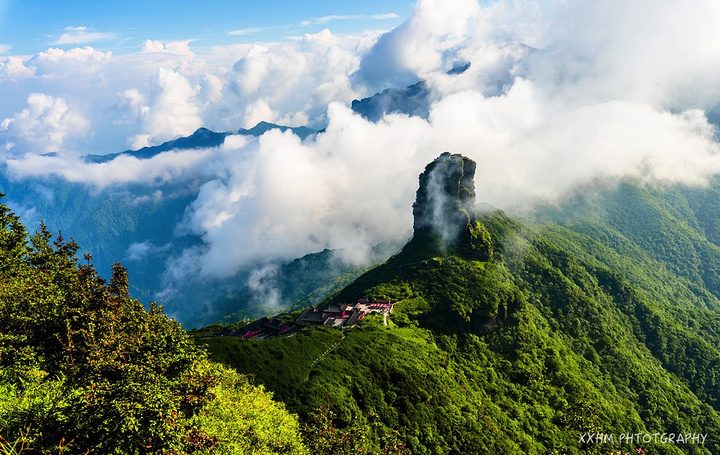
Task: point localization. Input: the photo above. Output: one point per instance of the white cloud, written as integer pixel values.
(82, 35)
(14, 69)
(530, 148)
(54, 63)
(131, 106)
(156, 171)
(44, 124)
(4, 48)
(385, 16)
(172, 47)
(143, 251)
(347, 17)
(173, 111)
(247, 31)
(654, 53)
(173, 166)
(265, 288)
(153, 46)
(211, 91)
(258, 111)
(297, 78)
(418, 47)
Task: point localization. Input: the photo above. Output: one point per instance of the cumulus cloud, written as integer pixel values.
(14, 69)
(153, 46)
(417, 47)
(175, 90)
(55, 63)
(172, 47)
(296, 80)
(174, 110)
(43, 125)
(131, 106)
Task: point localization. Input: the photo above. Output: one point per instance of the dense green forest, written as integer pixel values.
(84, 368)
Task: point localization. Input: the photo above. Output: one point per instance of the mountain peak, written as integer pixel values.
(262, 127)
(444, 207)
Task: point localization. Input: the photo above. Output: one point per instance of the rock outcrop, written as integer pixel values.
(444, 208)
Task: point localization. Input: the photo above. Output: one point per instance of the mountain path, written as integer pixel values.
(325, 354)
(342, 332)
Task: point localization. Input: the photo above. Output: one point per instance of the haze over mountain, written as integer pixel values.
(539, 124)
(134, 226)
(201, 138)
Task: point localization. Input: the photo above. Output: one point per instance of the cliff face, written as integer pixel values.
(444, 206)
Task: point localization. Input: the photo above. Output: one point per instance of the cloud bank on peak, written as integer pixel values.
(419, 46)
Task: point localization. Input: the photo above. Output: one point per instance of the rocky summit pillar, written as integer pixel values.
(444, 207)
(445, 200)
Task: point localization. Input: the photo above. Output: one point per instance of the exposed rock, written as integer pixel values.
(444, 206)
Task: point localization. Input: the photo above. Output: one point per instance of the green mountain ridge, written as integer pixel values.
(598, 317)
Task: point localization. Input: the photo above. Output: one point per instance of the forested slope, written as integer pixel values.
(600, 319)
(84, 368)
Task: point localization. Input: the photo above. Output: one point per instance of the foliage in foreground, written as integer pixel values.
(85, 368)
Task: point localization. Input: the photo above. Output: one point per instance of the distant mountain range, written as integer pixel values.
(108, 222)
(202, 138)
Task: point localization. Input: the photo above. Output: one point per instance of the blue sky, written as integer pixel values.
(122, 26)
